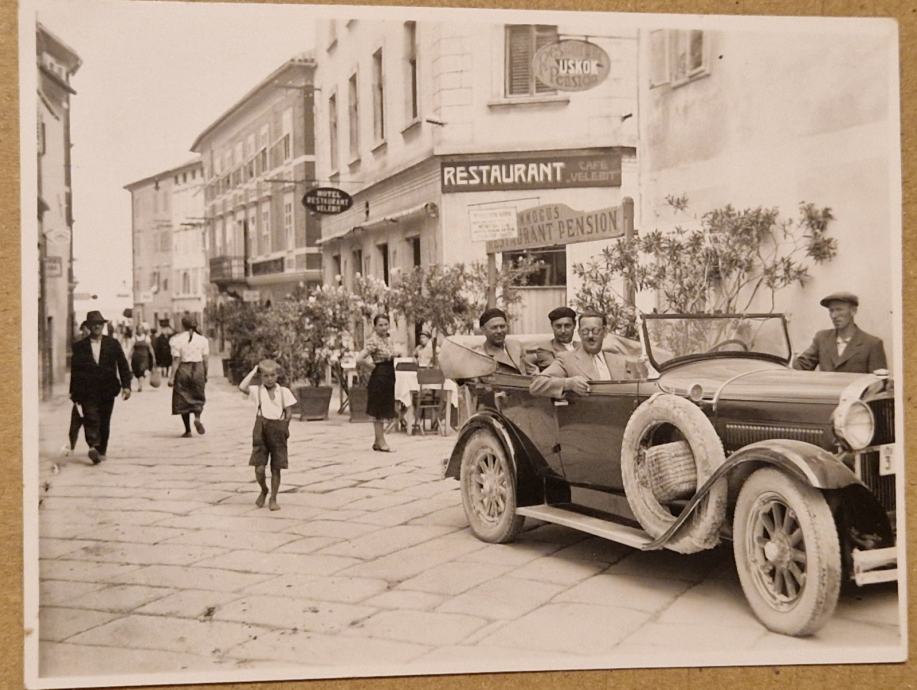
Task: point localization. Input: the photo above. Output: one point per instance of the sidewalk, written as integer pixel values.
(157, 560)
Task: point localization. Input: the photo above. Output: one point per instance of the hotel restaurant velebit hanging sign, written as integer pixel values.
(571, 65)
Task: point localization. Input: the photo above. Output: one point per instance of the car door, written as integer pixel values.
(590, 430)
(534, 419)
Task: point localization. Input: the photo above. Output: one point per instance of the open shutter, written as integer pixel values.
(518, 60)
(544, 35)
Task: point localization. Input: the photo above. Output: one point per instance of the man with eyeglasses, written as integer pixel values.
(572, 371)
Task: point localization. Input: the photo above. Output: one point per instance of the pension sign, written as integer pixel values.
(327, 200)
(571, 65)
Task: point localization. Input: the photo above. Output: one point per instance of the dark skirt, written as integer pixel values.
(163, 352)
(141, 360)
(380, 391)
(188, 391)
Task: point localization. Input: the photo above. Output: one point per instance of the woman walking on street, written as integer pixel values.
(190, 352)
(163, 350)
(380, 392)
(142, 357)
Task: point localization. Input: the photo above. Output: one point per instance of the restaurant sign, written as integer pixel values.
(571, 65)
(560, 171)
(327, 200)
(558, 224)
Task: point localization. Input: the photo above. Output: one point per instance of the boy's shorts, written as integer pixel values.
(270, 443)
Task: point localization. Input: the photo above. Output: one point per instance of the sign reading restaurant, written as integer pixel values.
(541, 171)
(557, 224)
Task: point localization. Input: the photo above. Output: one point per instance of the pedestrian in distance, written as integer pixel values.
(272, 427)
(190, 354)
(98, 372)
(423, 353)
(76, 412)
(142, 357)
(845, 347)
(162, 350)
(379, 353)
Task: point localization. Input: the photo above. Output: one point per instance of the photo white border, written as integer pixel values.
(28, 10)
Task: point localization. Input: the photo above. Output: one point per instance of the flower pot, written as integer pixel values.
(314, 402)
(358, 397)
(237, 372)
(227, 367)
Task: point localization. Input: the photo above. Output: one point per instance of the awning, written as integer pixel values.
(428, 208)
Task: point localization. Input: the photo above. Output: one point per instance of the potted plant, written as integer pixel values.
(239, 322)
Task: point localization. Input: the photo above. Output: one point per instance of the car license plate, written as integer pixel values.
(887, 459)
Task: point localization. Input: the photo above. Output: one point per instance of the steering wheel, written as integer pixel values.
(730, 341)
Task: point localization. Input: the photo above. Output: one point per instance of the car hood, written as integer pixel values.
(752, 379)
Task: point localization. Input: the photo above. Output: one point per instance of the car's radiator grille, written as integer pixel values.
(738, 435)
(884, 412)
(882, 487)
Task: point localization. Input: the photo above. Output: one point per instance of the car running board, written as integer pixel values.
(613, 531)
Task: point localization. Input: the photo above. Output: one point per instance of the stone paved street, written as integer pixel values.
(158, 560)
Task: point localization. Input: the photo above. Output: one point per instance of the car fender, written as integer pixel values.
(529, 488)
(806, 462)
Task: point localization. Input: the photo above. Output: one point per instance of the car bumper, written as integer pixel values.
(875, 565)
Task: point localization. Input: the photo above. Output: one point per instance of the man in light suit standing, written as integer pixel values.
(845, 347)
(572, 371)
(508, 354)
(563, 323)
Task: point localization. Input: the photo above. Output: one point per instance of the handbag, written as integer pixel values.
(155, 377)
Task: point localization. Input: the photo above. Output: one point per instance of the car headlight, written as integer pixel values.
(854, 422)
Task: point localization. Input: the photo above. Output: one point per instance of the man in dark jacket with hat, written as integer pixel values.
(98, 371)
(563, 323)
(844, 347)
(508, 354)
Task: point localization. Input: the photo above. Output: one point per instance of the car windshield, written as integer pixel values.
(673, 337)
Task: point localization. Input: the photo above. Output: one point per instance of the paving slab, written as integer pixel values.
(83, 571)
(61, 592)
(321, 588)
(335, 528)
(453, 578)
(198, 577)
(189, 603)
(307, 544)
(651, 594)
(386, 541)
(287, 612)
(570, 628)
(515, 554)
(58, 548)
(421, 627)
(404, 599)
(145, 554)
(558, 570)
(704, 635)
(278, 563)
(136, 631)
(314, 651)
(691, 568)
(57, 623)
(414, 560)
(501, 598)
(119, 598)
(838, 633)
(255, 541)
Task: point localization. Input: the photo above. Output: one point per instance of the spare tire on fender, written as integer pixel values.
(701, 531)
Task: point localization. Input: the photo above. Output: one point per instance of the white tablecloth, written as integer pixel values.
(406, 382)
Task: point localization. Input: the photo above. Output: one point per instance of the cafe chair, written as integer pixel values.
(429, 400)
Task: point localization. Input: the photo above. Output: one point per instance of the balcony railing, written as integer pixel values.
(225, 269)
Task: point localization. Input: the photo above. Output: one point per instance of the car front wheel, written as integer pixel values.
(489, 489)
(787, 553)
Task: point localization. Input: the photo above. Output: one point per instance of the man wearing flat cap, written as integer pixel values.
(563, 323)
(98, 372)
(844, 347)
(508, 354)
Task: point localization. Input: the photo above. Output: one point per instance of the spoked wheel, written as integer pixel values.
(489, 489)
(787, 553)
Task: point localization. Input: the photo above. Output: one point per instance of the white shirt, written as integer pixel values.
(271, 409)
(569, 347)
(601, 367)
(842, 344)
(96, 346)
(195, 350)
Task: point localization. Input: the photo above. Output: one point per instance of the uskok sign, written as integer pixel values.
(571, 65)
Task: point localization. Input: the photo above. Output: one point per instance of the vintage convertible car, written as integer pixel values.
(713, 437)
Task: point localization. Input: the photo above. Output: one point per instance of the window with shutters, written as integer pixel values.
(265, 228)
(378, 98)
(353, 110)
(412, 86)
(288, 220)
(522, 42)
(333, 130)
(677, 57)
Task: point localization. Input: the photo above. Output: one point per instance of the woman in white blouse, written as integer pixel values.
(190, 352)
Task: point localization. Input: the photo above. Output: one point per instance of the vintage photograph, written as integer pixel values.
(378, 341)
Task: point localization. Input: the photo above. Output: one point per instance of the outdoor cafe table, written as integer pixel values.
(406, 383)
